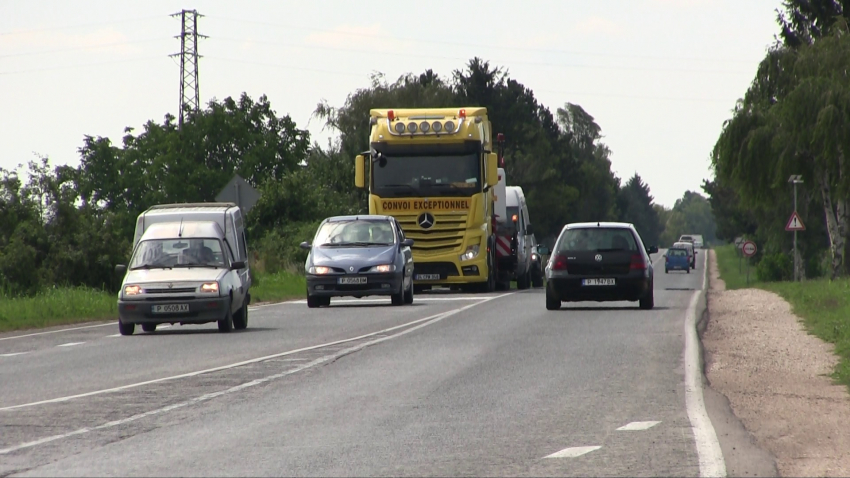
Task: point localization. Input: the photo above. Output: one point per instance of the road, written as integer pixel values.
(455, 384)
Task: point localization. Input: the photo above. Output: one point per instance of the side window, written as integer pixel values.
(228, 255)
(398, 230)
(243, 246)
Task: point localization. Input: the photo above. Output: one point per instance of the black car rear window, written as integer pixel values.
(597, 239)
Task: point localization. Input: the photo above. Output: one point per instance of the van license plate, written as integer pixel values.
(351, 280)
(427, 277)
(598, 282)
(170, 308)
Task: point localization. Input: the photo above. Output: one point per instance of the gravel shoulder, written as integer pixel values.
(776, 378)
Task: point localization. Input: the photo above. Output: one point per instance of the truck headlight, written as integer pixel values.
(132, 290)
(319, 270)
(211, 287)
(383, 268)
(471, 253)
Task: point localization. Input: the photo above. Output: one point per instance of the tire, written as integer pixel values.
(537, 278)
(149, 327)
(226, 324)
(240, 320)
(523, 281)
(126, 329)
(648, 301)
(666, 271)
(408, 295)
(689, 271)
(552, 302)
(398, 298)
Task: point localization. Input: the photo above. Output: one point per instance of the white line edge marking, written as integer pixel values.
(13, 354)
(573, 452)
(709, 453)
(638, 426)
(327, 358)
(254, 360)
(57, 331)
(70, 344)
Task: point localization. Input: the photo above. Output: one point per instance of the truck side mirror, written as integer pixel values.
(492, 169)
(360, 171)
(120, 269)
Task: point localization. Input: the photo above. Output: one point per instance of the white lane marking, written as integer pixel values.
(114, 335)
(327, 358)
(573, 452)
(56, 331)
(70, 344)
(419, 298)
(250, 361)
(638, 426)
(12, 355)
(163, 326)
(710, 456)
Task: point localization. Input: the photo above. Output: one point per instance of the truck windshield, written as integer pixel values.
(433, 175)
(182, 252)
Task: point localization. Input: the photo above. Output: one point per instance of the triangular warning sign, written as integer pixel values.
(795, 223)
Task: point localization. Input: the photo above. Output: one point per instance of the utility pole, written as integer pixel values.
(189, 93)
(795, 179)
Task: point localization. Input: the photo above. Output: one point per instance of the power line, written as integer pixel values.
(85, 47)
(289, 67)
(83, 65)
(81, 25)
(190, 99)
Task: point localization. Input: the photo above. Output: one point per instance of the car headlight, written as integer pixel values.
(471, 253)
(132, 290)
(319, 270)
(210, 287)
(534, 256)
(383, 268)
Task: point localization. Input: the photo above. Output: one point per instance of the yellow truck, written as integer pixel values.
(435, 170)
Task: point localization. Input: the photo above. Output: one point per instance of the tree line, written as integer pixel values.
(792, 120)
(68, 226)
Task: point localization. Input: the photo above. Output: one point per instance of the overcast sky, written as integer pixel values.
(659, 76)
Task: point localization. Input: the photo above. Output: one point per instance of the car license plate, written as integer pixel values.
(170, 308)
(352, 280)
(427, 277)
(598, 282)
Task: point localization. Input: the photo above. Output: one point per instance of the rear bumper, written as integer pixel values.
(570, 289)
(677, 266)
(376, 284)
(201, 311)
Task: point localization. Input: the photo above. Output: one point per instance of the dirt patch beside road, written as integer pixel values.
(776, 377)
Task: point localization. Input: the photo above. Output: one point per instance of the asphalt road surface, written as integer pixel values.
(484, 385)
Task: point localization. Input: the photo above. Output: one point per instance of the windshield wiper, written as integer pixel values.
(150, 266)
(211, 266)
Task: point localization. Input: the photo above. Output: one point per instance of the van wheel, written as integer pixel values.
(240, 320)
(226, 324)
(126, 329)
(149, 327)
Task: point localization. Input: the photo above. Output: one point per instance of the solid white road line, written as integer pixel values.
(258, 359)
(574, 452)
(70, 344)
(711, 462)
(327, 358)
(638, 426)
(57, 331)
(12, 355)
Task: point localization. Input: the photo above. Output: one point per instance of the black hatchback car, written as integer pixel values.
(600, 261)
(359, 256)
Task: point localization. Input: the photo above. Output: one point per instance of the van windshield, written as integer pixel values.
(182, 252)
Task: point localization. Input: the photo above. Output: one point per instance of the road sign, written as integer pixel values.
(795, 223)
(749, 248)
(240, 192)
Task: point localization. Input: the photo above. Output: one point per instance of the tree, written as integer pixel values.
(804, 21)
(636, 207)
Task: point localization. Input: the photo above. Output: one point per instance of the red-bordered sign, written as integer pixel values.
(749, 248)
(795, 223)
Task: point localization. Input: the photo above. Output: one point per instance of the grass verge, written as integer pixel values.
(822, 304)
(64, 306)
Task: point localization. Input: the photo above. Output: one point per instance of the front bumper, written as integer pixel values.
(376, 284)
(569, 288)
(446, 269)
(201, 310)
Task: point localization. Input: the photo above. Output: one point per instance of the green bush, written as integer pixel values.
(775, 267)
(280, 248)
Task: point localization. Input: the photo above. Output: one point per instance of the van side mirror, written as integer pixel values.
(652, 249)
(120, 269)
(407, 242)
(236, 265)
(305, 245)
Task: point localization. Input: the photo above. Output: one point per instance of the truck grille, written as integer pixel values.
(445, 236)
(445, 269)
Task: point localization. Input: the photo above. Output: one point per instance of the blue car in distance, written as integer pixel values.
(677, 259)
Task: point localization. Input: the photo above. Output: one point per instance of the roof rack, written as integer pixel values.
(193, 204)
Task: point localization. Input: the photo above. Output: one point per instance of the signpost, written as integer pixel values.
(748, 248)
(795, 224)
(738, 241)
(241, 193)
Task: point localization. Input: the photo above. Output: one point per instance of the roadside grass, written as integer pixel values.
(64, 306)
(822, 304)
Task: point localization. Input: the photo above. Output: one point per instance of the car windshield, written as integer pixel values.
(677, 252)
(181, 252)
(431, 175)
(355, 233)
(597, 239)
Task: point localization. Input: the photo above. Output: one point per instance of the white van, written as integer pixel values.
(514, 241)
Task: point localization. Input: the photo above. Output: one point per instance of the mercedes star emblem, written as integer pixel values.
(598, 257)
(426, 220)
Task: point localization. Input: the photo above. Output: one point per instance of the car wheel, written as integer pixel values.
(226, 324)
(313, 301)
(126, 329)
(666, 271)
(648, 301)
(325, 301)
(240, 320)
(149, 327)
(522, 281)
(408, 296)
(552, 302)
(398, 298)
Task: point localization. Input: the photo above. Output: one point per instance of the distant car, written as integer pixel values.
(677, 259)
(692, 253)
(695, 239)
(359, 256)
(600, 261)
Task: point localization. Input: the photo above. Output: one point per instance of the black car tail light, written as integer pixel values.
(637, 263)
(559, 263)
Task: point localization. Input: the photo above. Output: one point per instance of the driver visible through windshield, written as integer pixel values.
(355, 233)
(168, 253)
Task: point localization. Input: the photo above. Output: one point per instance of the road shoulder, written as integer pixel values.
(776, 410)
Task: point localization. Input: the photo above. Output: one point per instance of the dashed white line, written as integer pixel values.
(114, 335)
(70, 344)
(574, 452)
(638, 426)
(13, 354)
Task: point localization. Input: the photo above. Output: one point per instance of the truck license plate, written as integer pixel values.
(427, 277)
(598, 282)
(170, 308)
(352, 280)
